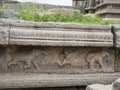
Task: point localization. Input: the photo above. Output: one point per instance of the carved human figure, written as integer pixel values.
(97, 56)
(28, 59)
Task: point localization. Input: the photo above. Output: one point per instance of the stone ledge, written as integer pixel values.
(112, 1)
(113, 19)
(113, 11)
(108, 3)
(58, 34)
(27, 80)
(22, 23)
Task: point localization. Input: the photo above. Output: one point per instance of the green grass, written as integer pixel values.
(34, 16)
(32, 13)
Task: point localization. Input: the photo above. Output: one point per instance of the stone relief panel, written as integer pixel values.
(57, 60)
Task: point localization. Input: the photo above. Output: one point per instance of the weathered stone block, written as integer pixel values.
(28, 80)
(37, 48)
(99, 87)
(116, 85)
(4, 36)
(60, 34)
(4, 33)
(58, 60)
(106, 8)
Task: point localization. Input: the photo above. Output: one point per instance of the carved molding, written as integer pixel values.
(59, 34)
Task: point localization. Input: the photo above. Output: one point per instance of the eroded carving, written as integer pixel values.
(55, 59)
(66, 60)
(27, 59)
(99, 57)
(73, 58)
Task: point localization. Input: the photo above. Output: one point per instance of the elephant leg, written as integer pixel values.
(28, 63)
(92, 62)
(35, 64)
(101, 63)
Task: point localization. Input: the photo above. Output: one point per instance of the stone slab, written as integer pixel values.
(109, 11)
(99, 87)
(116, 84)
(106, 4)
(60, 34)
(112, 19)
(28, 80)
(56, 59)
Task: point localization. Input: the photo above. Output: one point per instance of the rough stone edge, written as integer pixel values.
(108, 11)
(22, 23)
(28, 80)
(109, 3)
(17, 23)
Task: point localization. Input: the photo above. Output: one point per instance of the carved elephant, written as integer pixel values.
(97, 56)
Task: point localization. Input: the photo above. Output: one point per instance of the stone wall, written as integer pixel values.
(105, 8)
(57, 54)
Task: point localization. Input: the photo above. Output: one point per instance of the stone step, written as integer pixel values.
(28, 80)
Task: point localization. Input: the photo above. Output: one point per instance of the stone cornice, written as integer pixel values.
(55, 34)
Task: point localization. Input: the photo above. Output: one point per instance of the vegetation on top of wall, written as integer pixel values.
(37, 17)
(32, 12)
